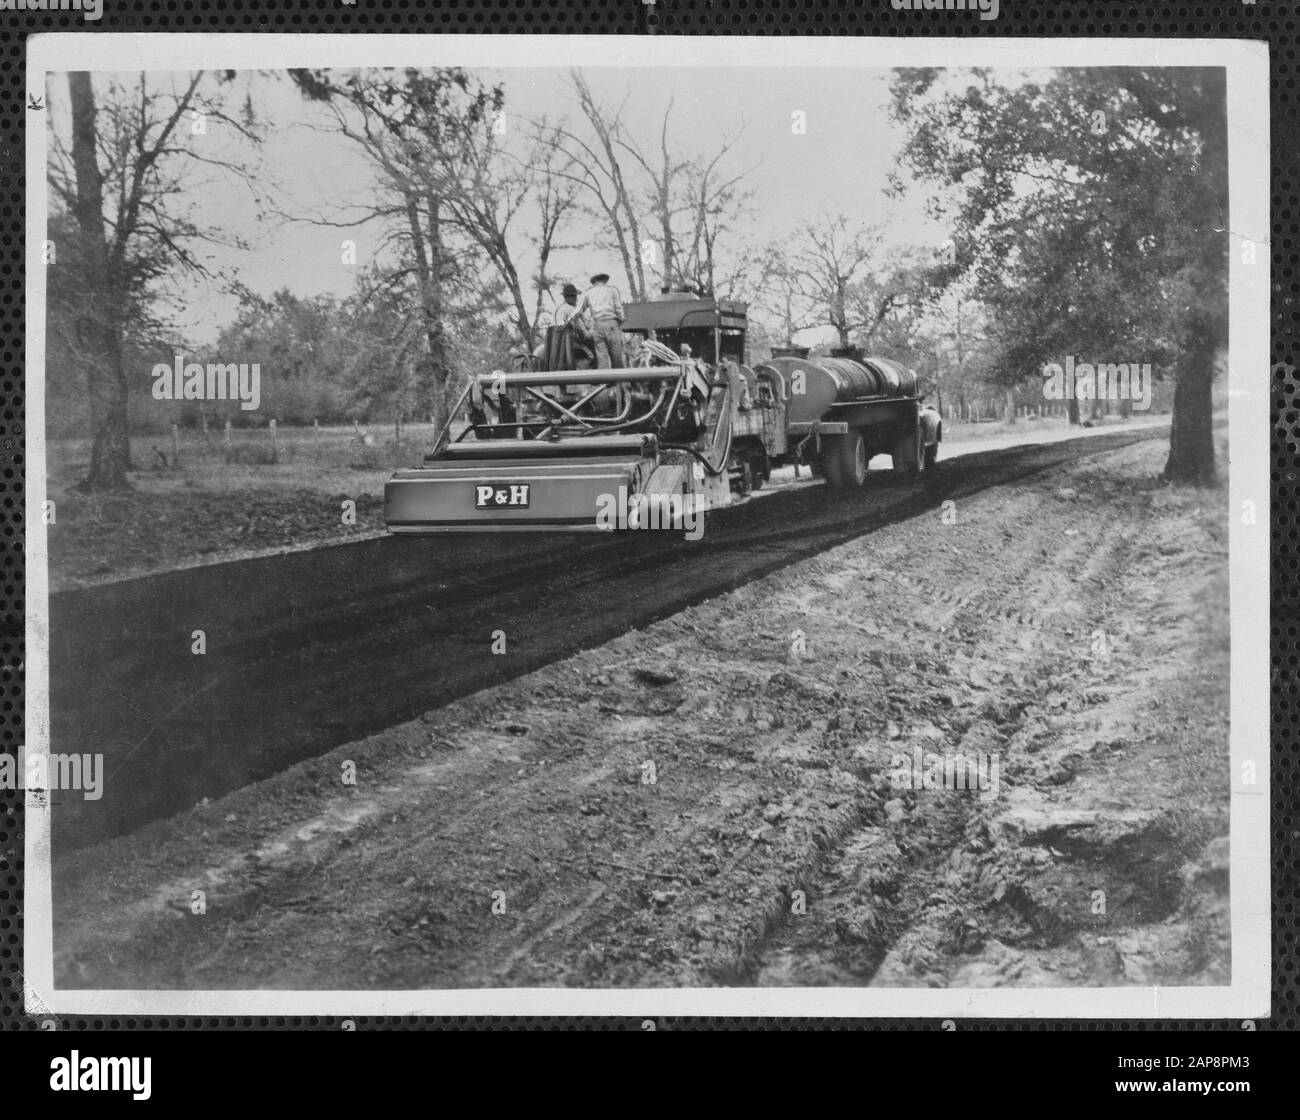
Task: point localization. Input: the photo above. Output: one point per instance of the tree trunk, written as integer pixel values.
(1011, 406)
(1191, 436)
(101, 335)
(1072, 411)
(839, 319)
(427, 244)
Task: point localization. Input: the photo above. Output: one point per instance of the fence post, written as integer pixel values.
(275, 445)
(176, 445)
(226, 445)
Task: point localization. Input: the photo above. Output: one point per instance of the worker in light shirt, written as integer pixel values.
(604, 306)
(567, 312)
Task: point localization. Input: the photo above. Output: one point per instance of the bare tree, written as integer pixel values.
(125, 177)
(596, 166)
(110, 456)
(557, 196)
(693, 203)
(817, 277)
(410, 124)
(716, 206)
(662, 193)
(689, 202)
(486, 187)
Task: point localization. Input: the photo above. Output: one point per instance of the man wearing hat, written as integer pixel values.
(577, 327)
(601, 301)
(567, 312)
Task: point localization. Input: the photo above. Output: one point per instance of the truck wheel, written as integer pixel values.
(846, 461)
(744, 481)
(908, 454)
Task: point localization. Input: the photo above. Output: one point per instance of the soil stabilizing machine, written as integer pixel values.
(568, 447)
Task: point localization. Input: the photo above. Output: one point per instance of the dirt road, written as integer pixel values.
(719, 798)
(305, 651)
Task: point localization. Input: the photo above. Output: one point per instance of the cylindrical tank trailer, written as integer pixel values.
(815, 385)
(834, 414)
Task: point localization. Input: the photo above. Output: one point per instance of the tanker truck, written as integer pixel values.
(834, 414)
(680, 430)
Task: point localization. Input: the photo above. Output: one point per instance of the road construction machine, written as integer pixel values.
(678, 431)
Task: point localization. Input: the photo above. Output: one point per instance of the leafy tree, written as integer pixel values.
(1088, 208)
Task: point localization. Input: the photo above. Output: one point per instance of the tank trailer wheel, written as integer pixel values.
(908, 453)
(846, 461)
(745, 479)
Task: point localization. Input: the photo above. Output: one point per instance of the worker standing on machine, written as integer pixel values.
(605, 305)
(568, 314)
(566, 347)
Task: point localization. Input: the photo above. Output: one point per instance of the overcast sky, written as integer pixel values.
(839, 165)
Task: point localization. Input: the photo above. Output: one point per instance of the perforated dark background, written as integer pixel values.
(1266, 19)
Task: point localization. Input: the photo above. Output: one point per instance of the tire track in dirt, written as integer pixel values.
(986, 892)
(974, 617)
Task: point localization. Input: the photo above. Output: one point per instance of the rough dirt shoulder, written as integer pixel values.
(717, 799)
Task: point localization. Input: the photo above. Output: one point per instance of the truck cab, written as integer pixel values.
(713, 331)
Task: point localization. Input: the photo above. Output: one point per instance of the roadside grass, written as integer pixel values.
(966, 431)
(210, 501)
(327, 460)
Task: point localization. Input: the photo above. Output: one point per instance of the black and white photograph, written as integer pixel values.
(644, 526)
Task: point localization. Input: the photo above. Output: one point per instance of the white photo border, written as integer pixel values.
(1249, 392)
